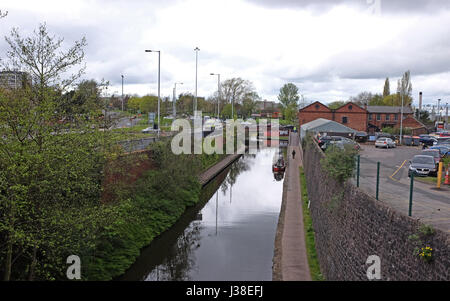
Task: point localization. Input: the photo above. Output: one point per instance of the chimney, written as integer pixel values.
(420, 101)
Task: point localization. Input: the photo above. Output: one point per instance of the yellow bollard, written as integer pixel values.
(439, 177)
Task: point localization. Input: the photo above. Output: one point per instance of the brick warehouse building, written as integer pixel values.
(369, 119)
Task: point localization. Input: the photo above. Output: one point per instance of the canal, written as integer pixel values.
(228, 235)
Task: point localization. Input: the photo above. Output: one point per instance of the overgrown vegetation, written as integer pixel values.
(340, 163)
(53, 160)
(421, 248)
(313, 261)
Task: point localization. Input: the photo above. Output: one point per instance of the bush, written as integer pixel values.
(340, 163)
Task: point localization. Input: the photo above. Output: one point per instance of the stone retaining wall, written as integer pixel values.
(350, 226)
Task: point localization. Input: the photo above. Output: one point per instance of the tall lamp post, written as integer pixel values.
(439, 110)
(122, 92)
(401, 119)
(196, 65)
(218, 92)
(174, 109)
(159, 80)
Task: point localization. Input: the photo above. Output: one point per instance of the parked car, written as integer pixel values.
(435, 153)
(385, 142)
(440, 141)
(323, 139)
(443, 149)
(427, 140)
(422, 166)
(148, 130)
(326, 140)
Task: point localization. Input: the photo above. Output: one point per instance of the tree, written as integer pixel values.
(235, 89)
(249, 104)
(362, 98)
(226, 111)
(404, 86)
(386, 89)
(185, 103)
(290, 112)
(149, 103)
(288, 95)
(50, 171)
(336, 104)
(43, 57)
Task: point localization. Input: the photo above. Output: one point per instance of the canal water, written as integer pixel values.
(229, 235)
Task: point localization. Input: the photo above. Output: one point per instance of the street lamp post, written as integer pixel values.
(122, 92)
(401, 120)
(159, 81)
(439, 110)
(196, 67)
(174, 109)
(218, 92)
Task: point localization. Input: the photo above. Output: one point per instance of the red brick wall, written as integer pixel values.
(356, 116)
(392, 121)
(314, 111)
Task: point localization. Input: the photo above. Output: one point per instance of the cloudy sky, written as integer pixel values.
(330, 49)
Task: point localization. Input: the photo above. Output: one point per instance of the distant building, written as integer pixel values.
(14, 79)
(368, 119)
(269, 109)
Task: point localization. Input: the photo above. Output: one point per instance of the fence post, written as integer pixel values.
(378, 179)
(411, 186)
(357, 171)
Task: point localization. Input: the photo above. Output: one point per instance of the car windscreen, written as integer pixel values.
(432, 153)
(422, 160)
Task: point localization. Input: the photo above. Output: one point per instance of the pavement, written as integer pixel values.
(429, 205)
(293, 257)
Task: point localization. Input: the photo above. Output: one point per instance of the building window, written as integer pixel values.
(378, 117)
(370, 116)
(344, 120)
(395, 117)
(388, 117)
(350, 107)
(317, 106)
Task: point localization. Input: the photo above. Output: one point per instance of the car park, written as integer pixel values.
(385, 142)
(440, 141)
(443, 149)
(422, 165)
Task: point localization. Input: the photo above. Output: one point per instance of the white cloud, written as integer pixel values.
(332, 55)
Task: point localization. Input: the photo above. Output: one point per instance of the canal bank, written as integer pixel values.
(229, 236)
(290, 261)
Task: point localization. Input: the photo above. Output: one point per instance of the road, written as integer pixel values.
(430, 205)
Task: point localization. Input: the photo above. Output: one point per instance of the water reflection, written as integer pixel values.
(233, 239)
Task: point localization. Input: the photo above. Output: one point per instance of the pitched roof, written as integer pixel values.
(325, 125)
(389, 109)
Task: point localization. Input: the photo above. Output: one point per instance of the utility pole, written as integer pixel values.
(218, 92)
(122, 92)
(159, 82)
(439, 109)
(401, 120)
(174, 106)
(196, 65)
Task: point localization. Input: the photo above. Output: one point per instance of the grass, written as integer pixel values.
(430, 180)
(313, 261)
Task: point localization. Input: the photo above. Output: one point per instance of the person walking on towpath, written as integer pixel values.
(293, 154)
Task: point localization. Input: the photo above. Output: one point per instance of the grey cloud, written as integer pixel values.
(389, 6)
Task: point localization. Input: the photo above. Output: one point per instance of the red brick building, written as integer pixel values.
(368, 119)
